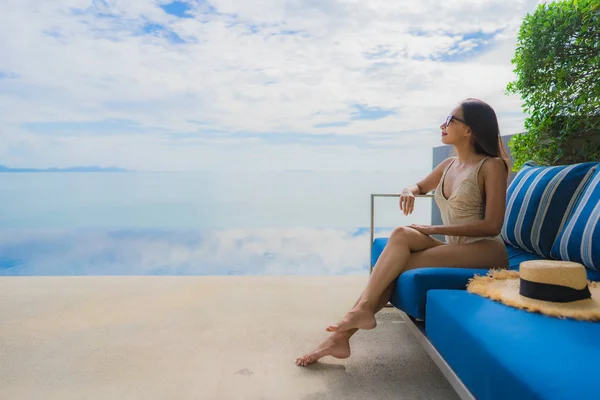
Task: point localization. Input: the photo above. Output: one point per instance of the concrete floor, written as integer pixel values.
(199, 338)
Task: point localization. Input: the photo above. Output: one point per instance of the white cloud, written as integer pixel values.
(84, 67)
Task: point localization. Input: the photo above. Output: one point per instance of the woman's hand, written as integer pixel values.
(407, 201)
(424, 229)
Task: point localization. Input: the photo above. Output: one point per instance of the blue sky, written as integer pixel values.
(218, 84)
(180, 9)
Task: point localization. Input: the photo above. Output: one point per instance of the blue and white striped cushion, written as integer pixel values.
(539, 201)
(579, 241)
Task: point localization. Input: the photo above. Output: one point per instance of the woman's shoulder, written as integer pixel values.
(448, 161)
(494, 167)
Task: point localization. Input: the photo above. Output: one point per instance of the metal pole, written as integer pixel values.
(373, 195)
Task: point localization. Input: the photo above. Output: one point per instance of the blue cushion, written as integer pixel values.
(412, 286)
(378, 246)
(538, 201)
(516, 256)
(580, 239)
(593, 275)
(503, 353)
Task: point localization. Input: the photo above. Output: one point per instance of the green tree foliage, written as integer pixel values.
(557, 65)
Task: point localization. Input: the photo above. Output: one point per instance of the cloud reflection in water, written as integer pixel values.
(242, 252)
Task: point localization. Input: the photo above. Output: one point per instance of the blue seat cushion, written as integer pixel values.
(500, 352)
(412, 286)
(378, 246)
(579, 241)
(516, 256)
(538, 201)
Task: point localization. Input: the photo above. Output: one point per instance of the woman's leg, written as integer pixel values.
(338, 343)
(393, 260)
(484, 254)
(480, 254)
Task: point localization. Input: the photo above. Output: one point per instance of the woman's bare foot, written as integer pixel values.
(337, 345)
(360, 317)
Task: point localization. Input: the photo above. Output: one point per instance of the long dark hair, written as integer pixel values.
(481, 118)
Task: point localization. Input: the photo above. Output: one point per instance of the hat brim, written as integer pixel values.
(503, 286)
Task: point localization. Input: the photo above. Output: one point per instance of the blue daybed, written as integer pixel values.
(490, 351)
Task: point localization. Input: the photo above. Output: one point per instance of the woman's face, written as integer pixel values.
(454, 130)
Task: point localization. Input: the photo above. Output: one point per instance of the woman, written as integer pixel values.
(470, 190)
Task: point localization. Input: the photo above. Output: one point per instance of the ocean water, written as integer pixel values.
(196, 223)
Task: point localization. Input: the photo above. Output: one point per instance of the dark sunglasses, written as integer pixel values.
(451, 117)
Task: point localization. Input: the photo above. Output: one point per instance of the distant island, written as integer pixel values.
(4, 168)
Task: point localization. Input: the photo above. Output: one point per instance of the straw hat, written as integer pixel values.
(555, 288)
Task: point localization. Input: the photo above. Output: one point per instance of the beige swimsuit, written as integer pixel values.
(464, 205)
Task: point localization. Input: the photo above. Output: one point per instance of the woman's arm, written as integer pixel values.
(494, 176)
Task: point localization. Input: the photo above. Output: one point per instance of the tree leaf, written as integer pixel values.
(557, 74)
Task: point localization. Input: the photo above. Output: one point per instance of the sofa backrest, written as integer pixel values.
(540, 200)
(579, 240)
